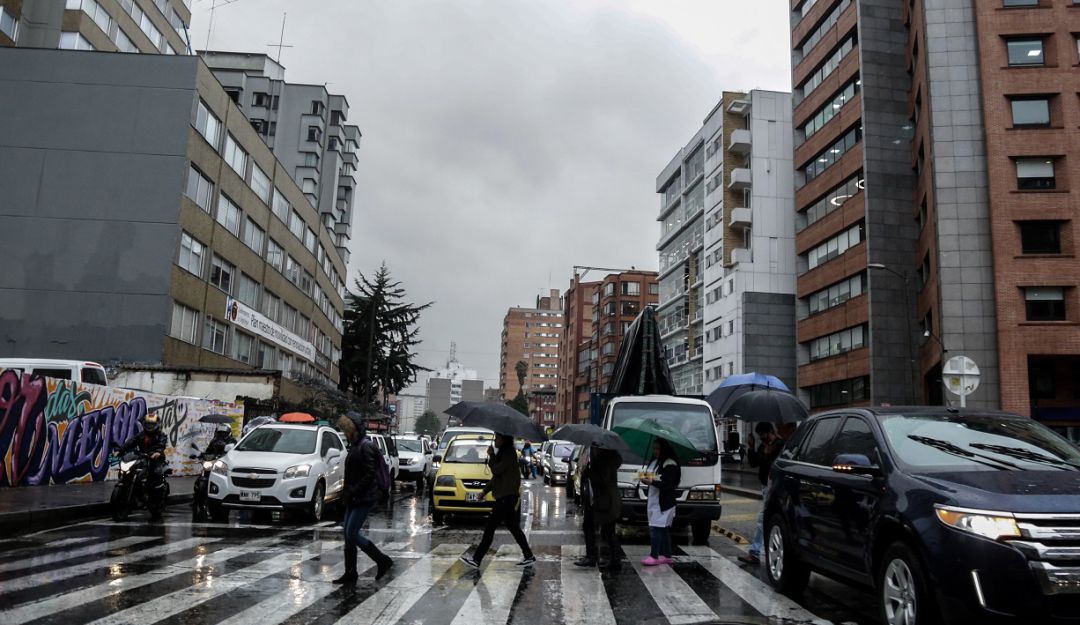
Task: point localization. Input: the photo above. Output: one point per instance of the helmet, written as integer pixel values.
(151, 422)
(222, 428)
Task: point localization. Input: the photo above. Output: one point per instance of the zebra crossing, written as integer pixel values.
(193, 574)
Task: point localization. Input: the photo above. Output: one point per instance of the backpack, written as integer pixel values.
(382, 472)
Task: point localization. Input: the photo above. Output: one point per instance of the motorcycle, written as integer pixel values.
(133, 489)
(200, 502)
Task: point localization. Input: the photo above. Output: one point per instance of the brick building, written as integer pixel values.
(575, 353)
(532, 335)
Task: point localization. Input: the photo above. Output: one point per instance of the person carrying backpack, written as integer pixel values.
(366, 477)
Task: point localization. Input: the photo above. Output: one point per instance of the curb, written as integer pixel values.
(749, 493)
(15, 523)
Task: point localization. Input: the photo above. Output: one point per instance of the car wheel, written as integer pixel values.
(700, 531)
(317, 503)
(782, 566)
(437, 517)
(902, 592)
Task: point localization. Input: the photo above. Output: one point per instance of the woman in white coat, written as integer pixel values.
(663, 479)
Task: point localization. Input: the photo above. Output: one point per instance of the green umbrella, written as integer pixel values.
(639, 434)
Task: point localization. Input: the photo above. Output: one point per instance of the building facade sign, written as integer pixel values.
(253, 321)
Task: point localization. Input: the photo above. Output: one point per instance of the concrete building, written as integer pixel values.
(532, 335)
(409, 409)
(159, 226)
(542, 407)
(304, 125)
(934, 144)
(146, 26)
(450, 385)
(575, 353)
(619, 300)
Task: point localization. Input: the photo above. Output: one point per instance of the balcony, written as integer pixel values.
(740, 141)
(740, 255)
(742, 218)
(739, 107)
(740, 179)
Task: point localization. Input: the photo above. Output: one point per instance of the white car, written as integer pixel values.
(554, 460)
(389, 452)
(280, 466)
(414, 457)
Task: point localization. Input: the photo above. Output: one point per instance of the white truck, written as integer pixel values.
(699, 491)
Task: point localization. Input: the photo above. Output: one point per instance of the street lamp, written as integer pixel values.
(907, 318)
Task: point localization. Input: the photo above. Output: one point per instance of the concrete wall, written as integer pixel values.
(221, 386)
(768, 334)
(92, 166)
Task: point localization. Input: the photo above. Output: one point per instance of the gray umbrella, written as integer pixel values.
(773, 406)
(588, 435)
(498, 417)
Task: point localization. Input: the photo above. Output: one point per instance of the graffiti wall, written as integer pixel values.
(57, 431)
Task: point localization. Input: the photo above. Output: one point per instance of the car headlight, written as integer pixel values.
(629, 493)
(221, 468)
(992, 525)
(701, 495)
(446, 480)
(300, 470)
(207, 465)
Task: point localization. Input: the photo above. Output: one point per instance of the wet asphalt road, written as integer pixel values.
(262, 571)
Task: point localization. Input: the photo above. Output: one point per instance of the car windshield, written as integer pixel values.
(472, 452)
(562, 452)
(937, 443)
(279, 440)
(694, 421)
(405, 444)
(448, 435)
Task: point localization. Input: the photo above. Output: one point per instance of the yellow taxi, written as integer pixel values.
(463, 473)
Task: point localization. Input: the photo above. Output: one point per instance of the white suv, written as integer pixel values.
(280, 467)
(414, 456)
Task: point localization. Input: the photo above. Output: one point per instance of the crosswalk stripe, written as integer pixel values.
(491, 600)
(394, 599)
(751, 589)
(283, 605)
(22, 551)
(584, 600)
(44, 607)
(175, 602)
(29, 581)
(679, 603)
(74, 553)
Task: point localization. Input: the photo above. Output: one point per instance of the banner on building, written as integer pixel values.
(253, 321)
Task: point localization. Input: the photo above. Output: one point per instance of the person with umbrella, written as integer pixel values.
(762, 457)
(359, 495)
(662, 478)
(505, 486)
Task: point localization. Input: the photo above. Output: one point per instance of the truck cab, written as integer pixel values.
(698, 494)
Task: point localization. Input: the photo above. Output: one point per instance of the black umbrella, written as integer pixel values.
(216, 418)
(770, 405)
(498, 417)
(723, 397)
(588, 434)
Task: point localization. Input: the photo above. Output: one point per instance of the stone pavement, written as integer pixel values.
(27, 508)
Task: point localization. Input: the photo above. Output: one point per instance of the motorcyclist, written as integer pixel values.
(222, 437)
(152, 443)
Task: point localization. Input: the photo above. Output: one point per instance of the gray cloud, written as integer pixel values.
(504, 140)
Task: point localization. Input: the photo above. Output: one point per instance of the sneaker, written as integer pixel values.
(750, 558)
(587, 563)
(666, 560)
(529, 561)
(469, 561)
(649, 561)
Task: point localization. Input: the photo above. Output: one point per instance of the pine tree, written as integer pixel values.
(428, 423)
(380, 332)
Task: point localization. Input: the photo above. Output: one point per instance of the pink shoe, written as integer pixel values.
(666, 560)
(649, 561)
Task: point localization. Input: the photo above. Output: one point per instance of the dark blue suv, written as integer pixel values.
(947, 516)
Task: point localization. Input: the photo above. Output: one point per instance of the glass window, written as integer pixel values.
(855, 437)
(74, 41)
(817, 447)
(1045, 303)
(97, 13)
(185, 323)
(1020, 3)
(266, 356)
(191, 254)
(243, 347)
(289, 317)
(228, 215)
(296, 225)
(1031, 111)
(217, 335)
(1025, 51)
(828, 66)
(253, 236)
(280, 440)
(281, 206)
(831, 155)
(1040, 237)
(235, 156)
(631, 288)
(292, 269)
(248, 291)
(207, 124)
(260, 184)
(310, 240)
(8, 24)
(1035, 174)
(830, 109)
(222, 273)
(275, 255)
(199, 188)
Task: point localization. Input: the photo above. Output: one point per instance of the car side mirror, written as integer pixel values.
(855, 464)
(229, 447)
(332, 453)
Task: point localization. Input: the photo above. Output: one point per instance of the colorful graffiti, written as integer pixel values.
(58, 431)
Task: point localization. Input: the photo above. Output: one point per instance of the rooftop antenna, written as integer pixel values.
(453, 352)
(210, 27)
(281, 41)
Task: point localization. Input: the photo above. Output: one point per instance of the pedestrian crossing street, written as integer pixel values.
(191, 574)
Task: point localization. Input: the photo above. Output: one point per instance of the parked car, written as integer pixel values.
(461, 477)
(954, 516)
(280, 466)
(575, 466)
(556, 453)
(414, 456)
(390, 454)
(76, 370)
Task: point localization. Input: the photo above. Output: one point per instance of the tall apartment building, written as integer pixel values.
(619, 300)
(934, 147)
(532, 335)
(160, 227)
(575, 353)
(147, 26)
(726, 265)
(305, 126)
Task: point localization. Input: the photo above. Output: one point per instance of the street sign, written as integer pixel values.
(961, 377)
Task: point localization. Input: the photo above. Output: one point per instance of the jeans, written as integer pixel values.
(758, 544)
(660, 540)
(504, 512)
(354, 521)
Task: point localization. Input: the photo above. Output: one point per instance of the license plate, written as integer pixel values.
(250, 495)
(472, 497)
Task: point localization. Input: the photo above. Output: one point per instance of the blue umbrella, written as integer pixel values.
(735, 386)
(760, 379)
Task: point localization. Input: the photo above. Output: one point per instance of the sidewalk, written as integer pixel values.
(741, 480)
(27, 508)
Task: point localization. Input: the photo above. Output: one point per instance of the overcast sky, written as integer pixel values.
(505, 141)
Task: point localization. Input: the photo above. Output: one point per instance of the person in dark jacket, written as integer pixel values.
(359, 495)
(505, 486)
(663, 480)
(604, 507)
(152, 443)
(762, 457)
